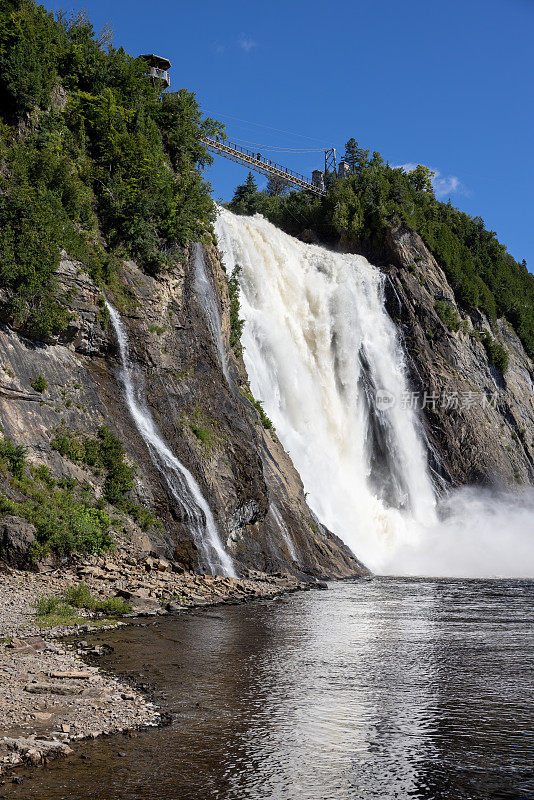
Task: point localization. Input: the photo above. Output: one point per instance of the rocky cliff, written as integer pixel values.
(478, 418)
(205, 415)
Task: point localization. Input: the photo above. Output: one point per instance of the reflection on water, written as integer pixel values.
(378, 689)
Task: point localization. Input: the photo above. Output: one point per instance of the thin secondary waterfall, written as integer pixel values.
(208, 303)
(180, 481)
(324, 357)
(282, 527)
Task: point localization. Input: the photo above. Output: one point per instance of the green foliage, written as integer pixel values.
(106, 451)
(43, 474)
(236, 324)
(202, 434)
(496, 353)
(54, 610)
(277, 186)
(65, 522)
(362, 208)
(29, 46)
(447, 315)
(40, 384)
(246, 197)
(14, 457)
(101, 154)
(58, 609)
(258, 405)
(355, 156)
(80, 596)
(119, 478)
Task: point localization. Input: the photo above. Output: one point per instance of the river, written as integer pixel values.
(387, 688)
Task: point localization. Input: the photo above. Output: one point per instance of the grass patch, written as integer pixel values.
(64, 608)
(202, 434)
(202, 426)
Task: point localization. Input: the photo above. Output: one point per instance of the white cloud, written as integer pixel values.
(444, 185)
(246, 43)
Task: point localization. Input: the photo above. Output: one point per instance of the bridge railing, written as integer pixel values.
(256, 161)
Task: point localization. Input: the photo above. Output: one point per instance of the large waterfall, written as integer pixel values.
(324, 357)
(184, 488)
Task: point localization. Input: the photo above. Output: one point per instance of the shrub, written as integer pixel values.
(80, 596)
(201, 433)
(40, 384)
(42, 473)
(113, 607)
(14, 456)
(105, 451)
(56, 609)
(258, 405)
(68, 445)
(497, 355)
(447, 315)
(236, 324)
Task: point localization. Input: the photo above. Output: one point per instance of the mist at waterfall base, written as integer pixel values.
(183, 486)
(318, 345)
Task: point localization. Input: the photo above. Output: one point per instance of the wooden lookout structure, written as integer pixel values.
(158, 70)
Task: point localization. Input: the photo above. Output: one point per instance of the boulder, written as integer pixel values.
(16, 537)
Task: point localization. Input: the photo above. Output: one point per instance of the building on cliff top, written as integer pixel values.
(158, 70)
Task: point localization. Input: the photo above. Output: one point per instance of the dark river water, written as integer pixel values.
(390, 688)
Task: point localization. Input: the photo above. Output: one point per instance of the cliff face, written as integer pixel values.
(249, 481)
(479, 422)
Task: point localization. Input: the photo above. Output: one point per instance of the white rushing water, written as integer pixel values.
(183, 486)
(321, 353)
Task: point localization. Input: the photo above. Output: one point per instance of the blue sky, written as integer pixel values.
(446, 84)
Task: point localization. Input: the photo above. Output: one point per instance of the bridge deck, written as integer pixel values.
(254, 161)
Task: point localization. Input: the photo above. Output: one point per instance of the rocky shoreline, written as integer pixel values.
(50, 696)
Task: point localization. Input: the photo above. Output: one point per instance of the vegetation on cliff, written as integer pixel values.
(91, 161)
(68, 516)
(362, 208)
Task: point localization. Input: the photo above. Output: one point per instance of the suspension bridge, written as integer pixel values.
(255, 161)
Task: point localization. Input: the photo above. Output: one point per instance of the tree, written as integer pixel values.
(351, 150)
(356, 157)
(421, 178)
(276, 186)
(245, 196)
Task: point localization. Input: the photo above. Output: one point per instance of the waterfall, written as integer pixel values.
(180, 481)
(282, 527)
(208, 303)
(324, 357)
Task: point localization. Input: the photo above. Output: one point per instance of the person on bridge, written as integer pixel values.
(258, 156)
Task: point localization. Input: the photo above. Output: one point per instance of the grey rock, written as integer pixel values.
(16, 537)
